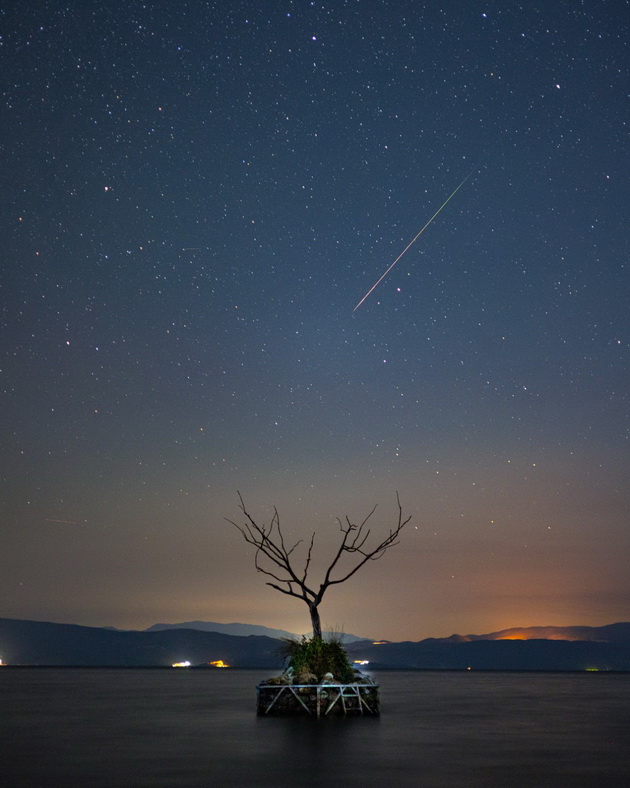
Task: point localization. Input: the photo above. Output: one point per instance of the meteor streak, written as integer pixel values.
(414, 239)
(67, 522)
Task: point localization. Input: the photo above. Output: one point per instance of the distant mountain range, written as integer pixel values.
(42, 643)
(243, 630)
(613, 633)
(532, 648)
(240, 630)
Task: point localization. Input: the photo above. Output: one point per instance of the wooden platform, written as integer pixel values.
(318, 700)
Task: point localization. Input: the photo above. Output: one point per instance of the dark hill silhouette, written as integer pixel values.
(241, 630)
(496, 655)
(44, 643)
(41, 643)
(518, 648)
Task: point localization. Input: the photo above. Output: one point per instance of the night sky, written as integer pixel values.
(196, 195)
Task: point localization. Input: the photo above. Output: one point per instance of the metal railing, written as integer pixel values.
(318, 699)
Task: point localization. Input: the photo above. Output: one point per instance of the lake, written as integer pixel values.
(134, 727)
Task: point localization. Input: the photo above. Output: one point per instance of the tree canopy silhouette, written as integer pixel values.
(278, 561)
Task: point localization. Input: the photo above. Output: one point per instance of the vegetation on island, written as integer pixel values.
(311, 660)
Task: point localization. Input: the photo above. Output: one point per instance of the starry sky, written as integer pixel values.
(195, 197)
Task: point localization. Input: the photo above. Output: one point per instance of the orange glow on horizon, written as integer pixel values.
(524, 635)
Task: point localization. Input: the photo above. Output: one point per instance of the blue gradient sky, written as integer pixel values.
(196, 196)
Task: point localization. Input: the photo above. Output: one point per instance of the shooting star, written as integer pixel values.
(414, 239)
(67, 522)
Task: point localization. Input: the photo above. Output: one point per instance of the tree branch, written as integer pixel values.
(356, 546)
(262, 538)
(269, 542)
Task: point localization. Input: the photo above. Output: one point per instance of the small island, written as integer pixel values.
(319, 681)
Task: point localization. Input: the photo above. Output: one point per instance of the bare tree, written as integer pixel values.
(274, 559)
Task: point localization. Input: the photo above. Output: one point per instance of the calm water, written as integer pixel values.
(87, 727)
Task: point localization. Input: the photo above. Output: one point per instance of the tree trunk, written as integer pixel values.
(315, 622)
